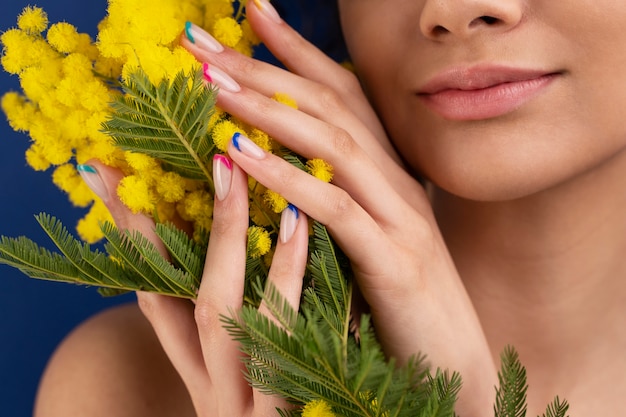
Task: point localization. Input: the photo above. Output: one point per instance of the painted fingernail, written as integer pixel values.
(93, 180)
(218, 77)
(288, 223)
(247, 147)
(202, 39)
(268, 10)
(222, 176)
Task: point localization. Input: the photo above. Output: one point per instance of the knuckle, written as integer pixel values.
(206, 315)
(341, 141)
(329, 99)
(350, 82)
(341, 204)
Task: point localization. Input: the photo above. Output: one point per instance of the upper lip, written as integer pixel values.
(478, 77)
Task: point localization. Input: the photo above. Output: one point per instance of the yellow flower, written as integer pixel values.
(33, 20)
(320, 169)
(88, 227)
(276, 201)
(63, 37)
(222, 134)
(227, 31)
(19, 112)
(36, 158)
(259, 242)
(136, 195)
(318, 408)
(140, 162)
(171, 187)
(195, 205)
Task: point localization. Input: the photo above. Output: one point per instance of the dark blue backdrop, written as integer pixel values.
(36, 315)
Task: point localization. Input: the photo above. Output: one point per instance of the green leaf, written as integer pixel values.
(168, 122)
(511, 393)
(557, 408)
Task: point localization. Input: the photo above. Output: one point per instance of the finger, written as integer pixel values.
(354, 171)
(327, 203)
(285, 275)
(104, 180)
(320, 86)
(173, 322)
(221, 290)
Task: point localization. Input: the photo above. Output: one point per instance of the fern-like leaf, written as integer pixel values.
(168, 122)
(511, 394)
(557, 408)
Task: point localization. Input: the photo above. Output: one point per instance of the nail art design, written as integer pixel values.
(202, 39)
(222, 176)
(91, 177)
(288, 222)
(247, 146)
(218, 77)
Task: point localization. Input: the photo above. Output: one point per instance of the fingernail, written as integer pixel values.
(268, 10)
(202, 39)
(247, 147)
(222, 176)
(288, 222)
(94, 182)
(218, 77)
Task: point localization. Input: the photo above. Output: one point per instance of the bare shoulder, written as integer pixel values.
(112, 365)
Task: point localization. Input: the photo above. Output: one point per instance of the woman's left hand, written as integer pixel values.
(378, 214)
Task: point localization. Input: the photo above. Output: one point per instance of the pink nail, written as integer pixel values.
(218, 77)
(222, 176)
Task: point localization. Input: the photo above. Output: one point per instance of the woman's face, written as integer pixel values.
(495, 99)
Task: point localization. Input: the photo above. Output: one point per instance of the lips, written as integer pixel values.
(483, 92)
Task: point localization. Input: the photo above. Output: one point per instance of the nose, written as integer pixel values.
(462, 18)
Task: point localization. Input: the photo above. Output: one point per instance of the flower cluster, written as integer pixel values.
(69, 80)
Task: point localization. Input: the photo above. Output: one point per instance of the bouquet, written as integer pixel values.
(136, 100)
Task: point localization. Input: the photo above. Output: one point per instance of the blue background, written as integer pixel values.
(36, 315)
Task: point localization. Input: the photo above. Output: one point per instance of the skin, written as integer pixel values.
(518, 238)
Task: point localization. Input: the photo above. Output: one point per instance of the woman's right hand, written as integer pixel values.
(192, 335)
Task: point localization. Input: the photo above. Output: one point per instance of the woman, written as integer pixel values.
(512, 110)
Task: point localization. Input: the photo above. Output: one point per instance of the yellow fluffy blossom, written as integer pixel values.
(171, 187)
(320, 169)
(227, 31)
(276, 201)
(19, 112)
(196, 205)
(67, 179)
(135, 193)
(63, 37)
(259, 242)
(88, 227)
(33, 20)
(318, 408)
(223, 132)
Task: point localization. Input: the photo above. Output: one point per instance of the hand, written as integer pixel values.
(193, 337)
(377, 213)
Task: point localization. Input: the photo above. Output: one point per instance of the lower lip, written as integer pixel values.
(486, 103)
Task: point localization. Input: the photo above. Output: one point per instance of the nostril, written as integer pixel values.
(490, 20)
(439, 30)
